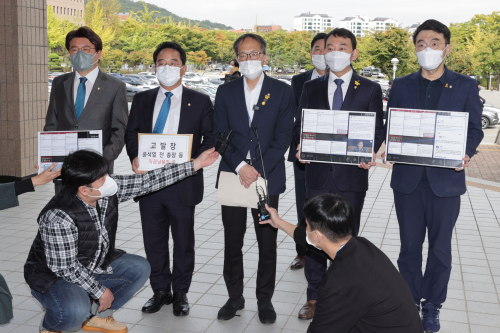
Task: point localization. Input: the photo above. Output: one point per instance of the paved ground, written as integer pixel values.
(473, 298)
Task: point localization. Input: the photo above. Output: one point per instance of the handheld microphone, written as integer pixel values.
(263, 195)
(223, 141)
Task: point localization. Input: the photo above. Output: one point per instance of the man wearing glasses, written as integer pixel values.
(170, 109)
(257, 108)
(88, 99)
(427, 199)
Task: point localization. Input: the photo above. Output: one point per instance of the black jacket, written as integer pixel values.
(362, 292)
(36, 273)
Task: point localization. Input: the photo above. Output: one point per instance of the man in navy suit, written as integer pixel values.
(341, 89)
(259, 110)
(170, 109)
(428, 198)
(299, 169)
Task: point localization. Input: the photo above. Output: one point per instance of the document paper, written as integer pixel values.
(425, 137)
(336, 136)
(54, 146)
(231, 193)
(156, 150)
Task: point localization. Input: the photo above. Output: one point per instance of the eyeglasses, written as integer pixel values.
(422, 46)
(85, 49)
(252, 56)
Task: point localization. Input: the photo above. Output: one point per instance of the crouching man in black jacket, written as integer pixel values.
(361, 291)
(73, 255)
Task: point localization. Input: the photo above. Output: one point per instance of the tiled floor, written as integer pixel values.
(473, 298)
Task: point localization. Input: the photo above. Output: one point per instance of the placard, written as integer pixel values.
(337, 136)
(54, 146)
(426, 137)
(156, 150)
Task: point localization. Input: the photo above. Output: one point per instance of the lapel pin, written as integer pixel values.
(189, 104)
(98, 88)
(356, 87)
(446, 86)
(263, 103)
(451, 86)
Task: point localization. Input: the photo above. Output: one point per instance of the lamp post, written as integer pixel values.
(394, 63)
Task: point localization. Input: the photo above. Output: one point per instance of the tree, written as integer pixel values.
(57, 29)
(95, 19)
(199, 58)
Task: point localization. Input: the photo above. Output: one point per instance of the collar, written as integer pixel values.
(92, 76)
(422, 79)
(177, 92)
(315, 74)
(346, 77)
(257, 86)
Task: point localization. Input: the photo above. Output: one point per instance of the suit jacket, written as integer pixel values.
(297, 85)
(362, 292)
(274, 123)
(196, 118)
(106, 110)
(462, 95)
(366, 97)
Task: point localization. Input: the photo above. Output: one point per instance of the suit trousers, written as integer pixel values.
(417, 213)
(234, 220)
(160, 211)
(316, 265)
(299, 173)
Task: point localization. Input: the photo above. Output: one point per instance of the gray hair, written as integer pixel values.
(262, 42)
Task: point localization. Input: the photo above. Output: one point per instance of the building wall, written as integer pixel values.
(313, 23)
(23, 84)
(69, 9)
(360, 24)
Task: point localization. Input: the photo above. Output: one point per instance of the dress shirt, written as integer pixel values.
(251, 99)
(89, 84)
(429, 93)
(172, 125)
(60, 234)
(315, 74)
(332, 86)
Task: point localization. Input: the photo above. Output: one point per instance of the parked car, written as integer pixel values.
(115, 74)
(376, 71)
(205, 91)
(367, 72)
(193, 77)
(216, 81)
(131, 91)
(489, 118)
(286, 81)
(491, 107)
(289, 70)
(146, 73)
(285, 77)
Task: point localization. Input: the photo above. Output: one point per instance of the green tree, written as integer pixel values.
(199, 58)
(57, 29)
(95, 18)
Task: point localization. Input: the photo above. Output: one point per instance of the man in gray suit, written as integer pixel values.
(88, 99)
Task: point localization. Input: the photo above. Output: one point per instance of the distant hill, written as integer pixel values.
(129, 5)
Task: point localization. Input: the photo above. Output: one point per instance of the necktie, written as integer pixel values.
(162, 117)
(338, 98)
(80, 97)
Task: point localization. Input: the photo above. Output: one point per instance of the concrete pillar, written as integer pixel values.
(23, 84)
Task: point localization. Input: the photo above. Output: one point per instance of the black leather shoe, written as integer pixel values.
(155, 303)
(181, 305)
(228, 311)
(267, 315)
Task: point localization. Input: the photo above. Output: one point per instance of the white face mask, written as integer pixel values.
(319, 61)
(251, 68)
(168, 75)
(108, 189)
(338, 60)
(311, 243)
(430, 59)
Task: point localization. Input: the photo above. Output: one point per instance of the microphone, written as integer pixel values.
(264, 197)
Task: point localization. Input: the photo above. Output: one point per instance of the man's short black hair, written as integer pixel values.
(330, 214)
(478, 82)
(433, 25)
(82, 168)
(170, 45)
(319, 36)
(85, 32)
(391, 81)
(342, 32)
(241, 39)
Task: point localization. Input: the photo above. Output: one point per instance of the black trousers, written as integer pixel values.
(234, 220)
(316, 265)
(299, 173)
(159, 212)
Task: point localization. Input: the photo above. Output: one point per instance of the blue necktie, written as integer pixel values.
(338, 99)
(80, 97)
(162, 117)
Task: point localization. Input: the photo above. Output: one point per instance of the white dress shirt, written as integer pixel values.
(315, 74)
(89, 84)
(174, 115)
(251, 99)
(332, 86)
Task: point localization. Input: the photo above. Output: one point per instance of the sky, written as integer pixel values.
(242, 14)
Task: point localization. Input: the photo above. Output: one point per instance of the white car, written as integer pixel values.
(193, 78)
(286, 81)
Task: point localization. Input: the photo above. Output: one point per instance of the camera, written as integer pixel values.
(223, 141)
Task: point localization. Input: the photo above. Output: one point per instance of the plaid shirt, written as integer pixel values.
(60, 234)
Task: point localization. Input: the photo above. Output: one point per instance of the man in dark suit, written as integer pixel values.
(260, 111)
(341, 89)
(428, 198)
(359, 148)
(318, 58)
(170, 109)
(88, 99)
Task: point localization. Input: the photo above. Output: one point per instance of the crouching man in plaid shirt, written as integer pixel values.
(73, 268)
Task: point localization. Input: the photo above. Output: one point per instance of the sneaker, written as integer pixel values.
(106, 325)
(430, 317)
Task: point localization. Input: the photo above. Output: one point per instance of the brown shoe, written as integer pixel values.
(106, 325)
(298, 262)
(307, 311)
